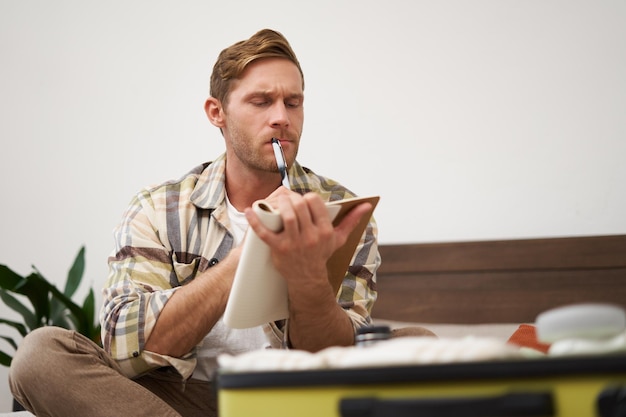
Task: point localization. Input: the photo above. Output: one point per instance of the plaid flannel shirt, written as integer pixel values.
(176, 230)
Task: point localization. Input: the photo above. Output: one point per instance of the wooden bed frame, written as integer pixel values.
(506, 281)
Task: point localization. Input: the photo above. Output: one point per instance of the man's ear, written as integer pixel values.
(214, 111)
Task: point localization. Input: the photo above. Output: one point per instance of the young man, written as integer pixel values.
(177, 250)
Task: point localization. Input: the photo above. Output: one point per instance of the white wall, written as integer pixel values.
(472, 119)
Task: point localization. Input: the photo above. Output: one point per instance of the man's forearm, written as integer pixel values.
(193, 310)
(319, 322)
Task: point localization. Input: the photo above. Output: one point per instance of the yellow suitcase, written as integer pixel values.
(568, 387)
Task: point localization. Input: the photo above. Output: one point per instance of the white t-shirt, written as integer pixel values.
(238, 222)
(223, 339)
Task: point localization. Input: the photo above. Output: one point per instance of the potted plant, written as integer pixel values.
(47, 305)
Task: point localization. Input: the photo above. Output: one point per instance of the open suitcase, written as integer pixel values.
(567, 386)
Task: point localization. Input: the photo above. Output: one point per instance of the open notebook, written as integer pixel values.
(259, 292)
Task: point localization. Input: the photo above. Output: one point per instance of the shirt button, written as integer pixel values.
(213, 261)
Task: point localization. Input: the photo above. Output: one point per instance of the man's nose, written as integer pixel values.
(279, 115)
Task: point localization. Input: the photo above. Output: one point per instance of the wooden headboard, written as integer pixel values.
(506, 281)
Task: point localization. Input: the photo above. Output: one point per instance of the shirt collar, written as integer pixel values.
(210, 190)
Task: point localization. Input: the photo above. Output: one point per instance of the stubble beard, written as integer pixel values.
(246, 150)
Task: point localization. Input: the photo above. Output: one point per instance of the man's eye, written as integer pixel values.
(260, 103)
(293, 103)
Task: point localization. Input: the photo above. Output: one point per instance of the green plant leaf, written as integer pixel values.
(50, 306)
(63, 318)
(22, 329)
(36, 288)
(75, 274)
(10, 341)
(30, 320)
(9, 279)
(57, 311)
(89, 306)
(77, 312)
(17, 326)
(5, 359)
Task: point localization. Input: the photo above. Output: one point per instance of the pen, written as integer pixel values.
(281, 162)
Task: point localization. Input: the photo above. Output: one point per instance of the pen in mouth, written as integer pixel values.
(281, 162)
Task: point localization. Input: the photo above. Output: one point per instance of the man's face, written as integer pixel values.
(266, 102)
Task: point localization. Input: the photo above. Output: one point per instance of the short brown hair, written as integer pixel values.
(233, 60)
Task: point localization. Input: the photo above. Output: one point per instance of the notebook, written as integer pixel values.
(259, 292)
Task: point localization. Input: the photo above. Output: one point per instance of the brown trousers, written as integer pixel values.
(58, 372)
